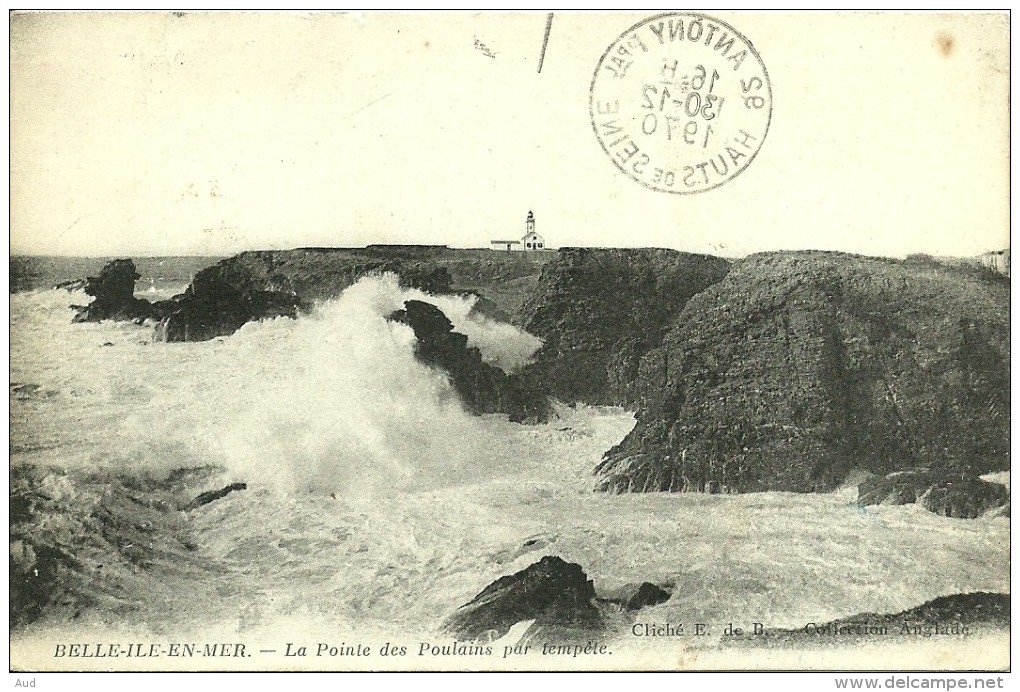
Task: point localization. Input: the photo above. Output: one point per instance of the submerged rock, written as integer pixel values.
(482, 387)
(965, 498)
(67, 524)
(980, 607)
(636, 596)
(902, 488)
(213, 495)
(552, 592)
(959, 497)
(73, 285)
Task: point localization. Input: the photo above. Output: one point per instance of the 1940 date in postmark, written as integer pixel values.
(681, 102)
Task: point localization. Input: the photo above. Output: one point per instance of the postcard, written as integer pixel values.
(509, 341)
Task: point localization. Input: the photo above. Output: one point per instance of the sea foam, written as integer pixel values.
(333, 402)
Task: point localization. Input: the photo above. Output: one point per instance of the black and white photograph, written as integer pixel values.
(657, 340)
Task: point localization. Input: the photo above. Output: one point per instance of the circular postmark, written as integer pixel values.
(681, 102)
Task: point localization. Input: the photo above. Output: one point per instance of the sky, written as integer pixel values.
(212, 133)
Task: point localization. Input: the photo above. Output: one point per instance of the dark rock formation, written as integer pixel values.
(73, 285)
(636, 596)
(28, 390)
(113, 290)
(113, 523)
(979, 608)
(261, 285)
(224, 297)
(798, 367)
(937, 491)
(482, 387)
(901, 488)
(599, 311)
(965, 498)
(977, 612)
(213, 495)
(201, 316)
(256, 285)
(553, 592)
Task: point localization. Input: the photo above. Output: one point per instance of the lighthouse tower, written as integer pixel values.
(532, 240)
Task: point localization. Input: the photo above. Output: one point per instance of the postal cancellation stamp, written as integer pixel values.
(681, 103)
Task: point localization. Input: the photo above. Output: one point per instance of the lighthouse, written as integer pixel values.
(531, 239)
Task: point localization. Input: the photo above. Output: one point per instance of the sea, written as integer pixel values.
(375, 505)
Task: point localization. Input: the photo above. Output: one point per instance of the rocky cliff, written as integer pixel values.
(600, 311)
(798, 367)
(784, 371)
(259, 285)
(225, 296)
(255, 285)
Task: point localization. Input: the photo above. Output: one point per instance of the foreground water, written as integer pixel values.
(375, 506)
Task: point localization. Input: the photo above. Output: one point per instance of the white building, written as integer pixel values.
(507, 245)
(530, 242)
(997, 260)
